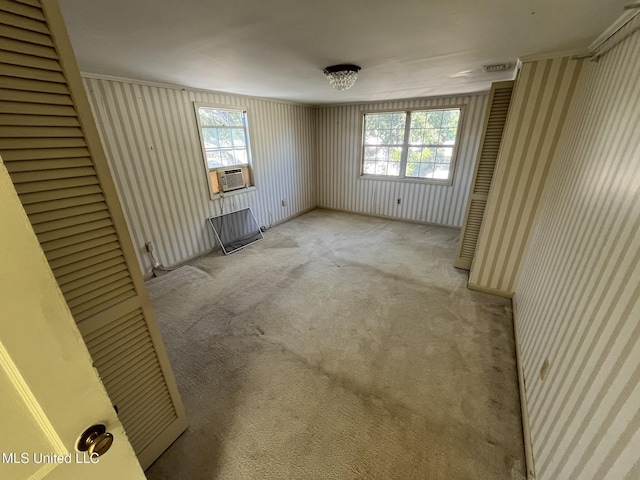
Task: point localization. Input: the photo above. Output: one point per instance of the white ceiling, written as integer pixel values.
(278, 48)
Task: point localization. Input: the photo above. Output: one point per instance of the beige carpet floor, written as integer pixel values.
(340, 347)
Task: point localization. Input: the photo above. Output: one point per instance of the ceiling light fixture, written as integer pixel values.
(342, 77)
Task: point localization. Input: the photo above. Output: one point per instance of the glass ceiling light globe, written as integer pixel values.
(342, 77)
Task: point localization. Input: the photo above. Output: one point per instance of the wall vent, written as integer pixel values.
(496, 67)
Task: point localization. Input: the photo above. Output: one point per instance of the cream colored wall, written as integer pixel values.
(578, 296)
(152, 145)
(339, 184)
(538, 106)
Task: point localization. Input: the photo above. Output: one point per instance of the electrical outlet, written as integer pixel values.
(399, 201)
(149, 247)
(284, 203)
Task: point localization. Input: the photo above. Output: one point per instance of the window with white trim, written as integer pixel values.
(224, 136)
(413, 144)
(224, 139)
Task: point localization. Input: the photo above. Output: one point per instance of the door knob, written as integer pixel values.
(95, 439)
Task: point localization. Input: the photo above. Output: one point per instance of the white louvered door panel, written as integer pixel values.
(496, 117)
(124, 353)
(50, 146)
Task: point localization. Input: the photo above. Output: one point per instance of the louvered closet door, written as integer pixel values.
(50, 146)
(495, 120)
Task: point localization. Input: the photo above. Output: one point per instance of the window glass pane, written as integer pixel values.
(240, 156)
(370, 154)
(413, 169)
(206, 116)
(371, 121)
(224, 137)
(431, 136)
(213, 158)
(210, 136)
(434, 119)
(227, 157)
(418, 119)
(414, 154)
(428, 154)
(384, 137)
(395, 154)
(238, 138)
(225, 146)
(214, 117)
(441, 171)
(370, 167)
(381, 168)
(450, 118)
(384, 128)
(413, 162)
(444, 155)
(416, 136)
(426, 170)
(372, 138)
(396, 136)
(447, 136)
(226, 118)
(391, 120)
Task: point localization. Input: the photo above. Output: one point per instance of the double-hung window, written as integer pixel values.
(224, 136)
(417, 145)
(225, 143)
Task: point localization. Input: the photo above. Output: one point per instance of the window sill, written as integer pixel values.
(233, 192)
(423, 181)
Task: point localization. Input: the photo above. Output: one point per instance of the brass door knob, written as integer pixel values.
(95, 439)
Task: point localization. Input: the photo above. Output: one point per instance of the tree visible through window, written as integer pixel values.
(224, 136)
(416, 144)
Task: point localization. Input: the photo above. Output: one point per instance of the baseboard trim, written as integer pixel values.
(524, 406)
(149, 275)
(492, 291)
(301, 212)
(389, 217)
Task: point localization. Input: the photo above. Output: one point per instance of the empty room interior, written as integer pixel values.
(320, 240)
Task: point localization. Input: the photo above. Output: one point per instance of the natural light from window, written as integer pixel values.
(417, 144)
(224, 136)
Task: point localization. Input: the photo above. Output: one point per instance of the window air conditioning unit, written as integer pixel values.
(231, 179)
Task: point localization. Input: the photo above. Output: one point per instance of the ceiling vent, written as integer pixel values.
(496, 67)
